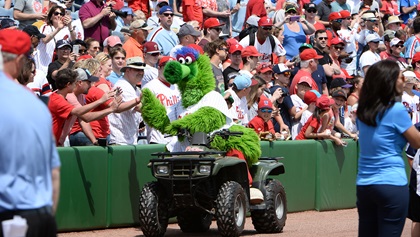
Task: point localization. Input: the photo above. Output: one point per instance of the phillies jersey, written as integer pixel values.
(412, 105)
(265, 48)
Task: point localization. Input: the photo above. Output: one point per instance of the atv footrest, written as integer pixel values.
(260, 206)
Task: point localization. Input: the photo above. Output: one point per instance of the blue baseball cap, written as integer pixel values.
(242, 82)
(128, 10)
(166, 9)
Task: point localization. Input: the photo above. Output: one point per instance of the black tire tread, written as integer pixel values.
(194, 221)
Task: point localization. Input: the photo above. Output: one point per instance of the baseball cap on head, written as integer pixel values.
(234, 48)
(135, 63)
(231, 41)
(6, 23)
(264, 67)
(310, 6)
(339, 82)
(140, 24)
(309, 97)
(253, 20)
(345, 14)
(372, 38)
(212, 22)
(164, 60)
(334, 16)
(416, 58)
(324, 102)
(339, 93)
(151, 47)
(265, 21)
(84, 75)
(32, 30)
(410, 77)
(15, 41)
(308, 54)
(112, 41)
(306, 80)
(395, 41)
(250, 51)
(390, 34)
(62, 43)
(305, 46)
(187, 29)
(265, 103)
(280, 68)
(337, 40)
(166, 9)
(290, 7)
(128, 10)
(242, 82)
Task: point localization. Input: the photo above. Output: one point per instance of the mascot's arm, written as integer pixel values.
(153, 112)
(206, 119)
(248, 143)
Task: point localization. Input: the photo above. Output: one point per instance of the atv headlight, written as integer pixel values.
(162, 169)
(205, 169)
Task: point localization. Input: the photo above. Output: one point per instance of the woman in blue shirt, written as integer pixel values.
(385, 128)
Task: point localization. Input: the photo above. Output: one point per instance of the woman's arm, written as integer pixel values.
(413, 137)
(307, 27)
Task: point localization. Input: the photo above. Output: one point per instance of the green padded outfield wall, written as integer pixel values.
(100, 185)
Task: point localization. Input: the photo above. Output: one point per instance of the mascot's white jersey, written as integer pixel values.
(212, 99)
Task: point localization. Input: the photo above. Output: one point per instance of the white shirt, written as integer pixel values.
(412, 103)
(125, 126)
(40, 82)
(265, 48)
(299, 105)
(239, 109)
(350, 38)
(168, 97)
(368, 58)
(150, 73)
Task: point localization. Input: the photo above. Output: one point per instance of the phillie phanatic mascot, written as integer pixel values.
(203, 109)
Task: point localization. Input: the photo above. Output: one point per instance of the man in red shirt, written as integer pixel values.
(308, 64)
(255, 7)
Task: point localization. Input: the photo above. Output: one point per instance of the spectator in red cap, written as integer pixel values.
(217, 51)
(262, 123)
(212, 29)
(335, 20)
(348, 33)
(235, 62)
(309, 99)
(265, 71)
(324, 11)
(151, 57)
(168, 95)
(256, 8)
(309, 63)
(250, 57)
(336, 47)
(15, 45)
(295, 31)
(265, 42)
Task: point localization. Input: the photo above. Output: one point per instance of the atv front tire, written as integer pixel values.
(153, 211)
(273, 218)
(194, 221)
(231, 209)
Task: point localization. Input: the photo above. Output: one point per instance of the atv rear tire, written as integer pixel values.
(153, 211)
(231, 209)
(273, 218)
(194, 221)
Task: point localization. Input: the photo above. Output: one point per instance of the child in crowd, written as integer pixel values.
(409, 99)
(262, 122)
(309, 98)
(350, 122)
(303, 85)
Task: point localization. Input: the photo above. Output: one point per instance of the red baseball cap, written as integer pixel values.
(309, 97)
(234, 48)
(265, 103)
(83, 57)
(151, 47)
(164, 60)
(264, 67)
(416, 57)
(212, 22)
(265, 21)
(308, 54)
(334, 16)
(336, 40)
(324, 102)
(307, 80)
(345, 14)
(197, 48)
(14, 41)
(231, 41)
(250, 51)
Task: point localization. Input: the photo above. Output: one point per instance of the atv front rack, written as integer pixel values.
(200, 154)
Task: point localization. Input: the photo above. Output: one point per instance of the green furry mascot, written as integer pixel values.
(203, 109)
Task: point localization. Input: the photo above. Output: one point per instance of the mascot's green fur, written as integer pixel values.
(194, 76)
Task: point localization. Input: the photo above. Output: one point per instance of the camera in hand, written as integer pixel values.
(284, 92)
(118, 13)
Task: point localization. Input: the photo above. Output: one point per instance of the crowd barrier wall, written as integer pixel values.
(100, 186)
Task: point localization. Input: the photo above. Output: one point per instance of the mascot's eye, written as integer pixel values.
(188, 60)
(181, 60)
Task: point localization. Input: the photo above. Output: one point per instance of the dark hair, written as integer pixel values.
(116, 50)
(319, 32)
(400, 33)
(378, 92)
(51, 12)
(65, 76)
(416, 25)
(25, 72)
(79, 42)
(211, 47)
(354, 81)
(89, 41)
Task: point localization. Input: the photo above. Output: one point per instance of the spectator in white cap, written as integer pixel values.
(163, 35)
(393, 23)
(370, 21)
(138, 33)
(409, 99)
(125, 126)
(369, 57)
(396, 48)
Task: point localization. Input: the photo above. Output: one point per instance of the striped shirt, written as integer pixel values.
(166, 39)
(410, 46)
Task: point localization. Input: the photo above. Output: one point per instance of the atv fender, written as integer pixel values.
(262, 169)
(231, 169)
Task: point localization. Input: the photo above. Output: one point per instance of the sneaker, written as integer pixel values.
(257, 196)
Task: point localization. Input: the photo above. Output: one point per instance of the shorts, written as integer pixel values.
(414, 206)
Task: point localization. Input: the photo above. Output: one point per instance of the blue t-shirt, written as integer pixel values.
(380, 160)
(408, 3)
(294, 41)
(238, 17)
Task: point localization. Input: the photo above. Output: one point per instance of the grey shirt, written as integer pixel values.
(29, 7)
(324, 11)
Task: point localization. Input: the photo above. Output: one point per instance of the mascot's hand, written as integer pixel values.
(173, 128)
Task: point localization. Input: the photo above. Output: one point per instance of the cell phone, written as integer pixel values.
(294, 18)
(76, 49)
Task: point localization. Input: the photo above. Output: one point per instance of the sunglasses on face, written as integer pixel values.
(374, 21)
(322, 38)
(267, 28)
(58, 13)
(266, 110)
(338, 47)
(291, 12)
(155, 54)
(287, 74)
(338, 20)
(168, 14)
(399, 46)
(311, 11)
(217, 29)
(97, 47)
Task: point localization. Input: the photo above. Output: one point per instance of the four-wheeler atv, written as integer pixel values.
(201, 184)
